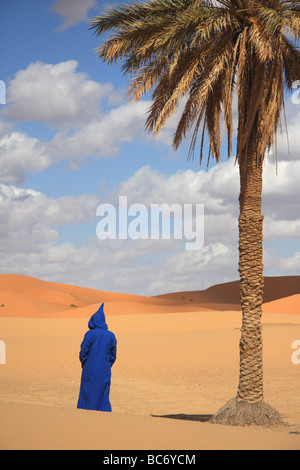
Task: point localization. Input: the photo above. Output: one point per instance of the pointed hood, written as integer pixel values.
(98, 320)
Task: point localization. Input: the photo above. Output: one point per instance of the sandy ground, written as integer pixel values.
(175, 360)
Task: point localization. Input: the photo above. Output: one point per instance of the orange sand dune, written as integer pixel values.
(287, 305)
(23, 296)
(63, 293)
(227, 296)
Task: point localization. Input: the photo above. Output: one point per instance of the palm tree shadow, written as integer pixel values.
(202, 418)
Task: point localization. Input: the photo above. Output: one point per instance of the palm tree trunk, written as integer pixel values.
(251, 279)
(248, 407)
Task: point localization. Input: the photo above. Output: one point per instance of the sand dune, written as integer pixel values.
(23, 296)
(227, 296)
(286, 305)
(175, 360)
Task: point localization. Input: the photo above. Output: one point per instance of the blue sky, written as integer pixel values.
(70, 140)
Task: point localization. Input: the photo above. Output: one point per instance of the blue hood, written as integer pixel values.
(98, 320)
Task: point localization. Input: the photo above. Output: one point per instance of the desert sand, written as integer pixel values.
(177, 364)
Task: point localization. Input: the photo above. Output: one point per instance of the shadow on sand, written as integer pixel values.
(202, 418)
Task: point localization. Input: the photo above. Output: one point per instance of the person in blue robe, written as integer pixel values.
(98, 353)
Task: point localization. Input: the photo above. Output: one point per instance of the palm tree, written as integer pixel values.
(208, 52)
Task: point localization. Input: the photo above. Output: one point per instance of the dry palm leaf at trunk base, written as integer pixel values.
(241, 413)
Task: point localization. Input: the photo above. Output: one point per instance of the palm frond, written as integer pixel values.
(203, 51)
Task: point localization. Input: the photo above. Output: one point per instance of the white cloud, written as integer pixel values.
(281, 229)
(217, 189)
(281, 197)
(56, 94)
(221, 181)
(290, 264)
(5, 127)
(102, 136)
(30, 219)
(66, 100)
(19, 154)
(72, 11)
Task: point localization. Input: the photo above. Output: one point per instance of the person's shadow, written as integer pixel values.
(201, 418)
